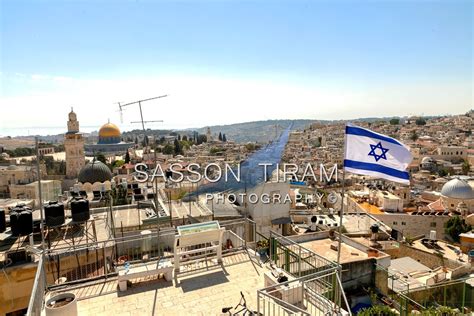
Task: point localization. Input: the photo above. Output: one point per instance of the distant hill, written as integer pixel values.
(258, 131)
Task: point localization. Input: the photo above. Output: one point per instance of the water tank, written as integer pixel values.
(80, 210)
(433, 234)
(26, 222)
(146, 240)
(3, 224)
(54, 214)
(15, 223)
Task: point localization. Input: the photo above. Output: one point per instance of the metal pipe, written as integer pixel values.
(40, 193)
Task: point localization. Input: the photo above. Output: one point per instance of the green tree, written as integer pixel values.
(420, 121)
(21, 152)
(145, 141)
(220, 136)
(439, 311)
(455, 226)
(201, 139)
(414, 136)
(118, 163)
(168, 149)
(127, 157)
(250, 146)
(178, 149)
(442, 172)
(224, 138)
(466, 167)
(377, 310)
(214, 150)
(394, 121)
(100, 157)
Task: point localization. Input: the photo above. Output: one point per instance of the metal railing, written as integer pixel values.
(84, 262)
(35, 305)
(296, 259)
(99, 259)
(316, 294)
(450, 293)
(232, 242)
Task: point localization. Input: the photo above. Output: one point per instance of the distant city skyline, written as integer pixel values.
(232, 61)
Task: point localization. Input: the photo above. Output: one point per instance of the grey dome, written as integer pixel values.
(95, 171)
(457, 189)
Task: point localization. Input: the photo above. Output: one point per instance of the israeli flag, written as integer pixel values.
(373, 154)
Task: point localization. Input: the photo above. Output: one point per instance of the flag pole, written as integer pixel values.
(341, 214)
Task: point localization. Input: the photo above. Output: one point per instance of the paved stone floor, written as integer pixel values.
(204, 289)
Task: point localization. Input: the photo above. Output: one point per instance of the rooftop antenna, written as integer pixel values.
(158, 121)
(121, 112)
(139, 102)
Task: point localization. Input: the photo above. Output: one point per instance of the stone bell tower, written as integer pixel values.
(74, 146)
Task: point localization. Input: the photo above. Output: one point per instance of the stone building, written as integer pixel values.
(458, 191)
(15, 174)
(74, 147)
(50, 189)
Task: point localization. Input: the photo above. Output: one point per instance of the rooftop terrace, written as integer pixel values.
(200, 285)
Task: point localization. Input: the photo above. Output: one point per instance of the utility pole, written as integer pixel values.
(38, 170)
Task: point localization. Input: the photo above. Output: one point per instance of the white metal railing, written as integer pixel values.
(316, 294)
(35, 305)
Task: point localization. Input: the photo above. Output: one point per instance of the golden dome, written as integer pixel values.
(109, 130)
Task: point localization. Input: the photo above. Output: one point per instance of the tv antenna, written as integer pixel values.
(139, 102)
(135, 122)
(142, 121)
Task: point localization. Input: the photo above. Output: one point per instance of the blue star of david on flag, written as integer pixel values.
(373, 152)
(366, 151)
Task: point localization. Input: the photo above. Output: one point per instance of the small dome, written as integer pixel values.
(95, 171)
(457, 189)
(12, 167)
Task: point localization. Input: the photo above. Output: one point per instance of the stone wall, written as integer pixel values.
(429, 259)
(16, 283)
(414, 225)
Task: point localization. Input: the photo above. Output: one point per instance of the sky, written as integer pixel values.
(223, 62)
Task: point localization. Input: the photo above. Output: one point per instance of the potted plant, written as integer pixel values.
(262, 247)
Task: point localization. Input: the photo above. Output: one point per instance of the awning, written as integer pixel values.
(281, 220)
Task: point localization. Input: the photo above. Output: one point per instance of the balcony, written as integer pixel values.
(201, 286)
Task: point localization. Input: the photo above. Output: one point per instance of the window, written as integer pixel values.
(433, 224)
(395, 223)
(403, 223)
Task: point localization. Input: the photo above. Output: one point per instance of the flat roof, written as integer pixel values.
(372, 209)
(198, 292)
(323, 248)
(449, 251)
